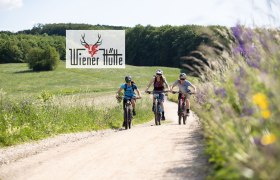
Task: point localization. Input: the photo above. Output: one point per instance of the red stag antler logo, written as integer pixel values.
(92, 48)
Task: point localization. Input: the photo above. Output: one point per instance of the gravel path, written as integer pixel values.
(169, 151)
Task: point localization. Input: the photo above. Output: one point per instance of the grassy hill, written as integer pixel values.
(17, 80)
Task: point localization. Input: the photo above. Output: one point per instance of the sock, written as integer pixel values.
(163, 113)
(188, 110)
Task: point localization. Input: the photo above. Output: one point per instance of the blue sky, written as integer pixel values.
(17, 15)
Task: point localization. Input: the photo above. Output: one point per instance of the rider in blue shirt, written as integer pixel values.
(129, 93)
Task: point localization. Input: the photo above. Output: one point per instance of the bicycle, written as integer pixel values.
(182, 110)
(128, 112)
(157, 109)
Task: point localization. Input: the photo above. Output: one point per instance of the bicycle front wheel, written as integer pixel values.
(126, 117)
(156, 112)
(184, 119)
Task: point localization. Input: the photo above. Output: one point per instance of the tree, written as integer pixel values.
(43, 59)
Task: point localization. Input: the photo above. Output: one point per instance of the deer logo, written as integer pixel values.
(92, 48)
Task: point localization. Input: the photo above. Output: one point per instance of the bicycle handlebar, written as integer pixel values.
(174, 92)
(130, 98)
(156, 92)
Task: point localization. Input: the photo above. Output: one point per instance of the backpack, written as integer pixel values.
(132, 84)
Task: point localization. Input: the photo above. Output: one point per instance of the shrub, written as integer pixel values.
(43, 59)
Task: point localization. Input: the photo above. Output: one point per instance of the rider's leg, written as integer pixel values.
(133, 102)
(162, 107)
(188, 104)
(124, 101)
(178, 110)
(153, 109)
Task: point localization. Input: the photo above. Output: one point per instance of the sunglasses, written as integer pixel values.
(159, 74)
(182, 79)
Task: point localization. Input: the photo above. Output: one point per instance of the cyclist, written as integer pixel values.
(129, 93)
(158, 81)
(184, 85)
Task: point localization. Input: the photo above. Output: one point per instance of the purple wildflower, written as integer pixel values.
(247, 111)
(246, 46)
(237, 81)
(257, 141)
(200, 97)
(220, 92)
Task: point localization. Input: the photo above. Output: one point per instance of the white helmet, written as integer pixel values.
(159, 72)
(183, 76)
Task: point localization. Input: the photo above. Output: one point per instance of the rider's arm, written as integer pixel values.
(150, 83)
(138, 92)
(173, 85)
(118, 92)
(194, 88)
(165, 82)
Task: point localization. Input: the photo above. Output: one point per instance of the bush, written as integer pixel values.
(43, 59)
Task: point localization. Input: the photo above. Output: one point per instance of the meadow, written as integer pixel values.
(36, 105)
(17, 80)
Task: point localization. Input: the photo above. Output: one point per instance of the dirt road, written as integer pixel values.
(168, 151)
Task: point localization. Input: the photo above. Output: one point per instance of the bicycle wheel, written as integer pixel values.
(179, 112)
(159, 118)
(184, 119)
(159, 114)
(156, 112)
(126, 117)
(129, 118)
(184, 112)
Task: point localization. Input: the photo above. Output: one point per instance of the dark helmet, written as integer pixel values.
(183, 76)
(128, 79)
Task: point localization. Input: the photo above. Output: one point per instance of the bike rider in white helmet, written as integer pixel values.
(184, 85)
(158, 81)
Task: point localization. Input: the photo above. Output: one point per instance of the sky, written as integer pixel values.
(18, 15)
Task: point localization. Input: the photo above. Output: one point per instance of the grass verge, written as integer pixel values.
(33, 119)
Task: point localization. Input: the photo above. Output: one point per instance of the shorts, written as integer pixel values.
(161, 97)
(186, 95)
(125, 100)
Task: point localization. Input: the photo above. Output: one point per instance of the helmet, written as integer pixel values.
(128, 79)
(183, 76)
(159, 72)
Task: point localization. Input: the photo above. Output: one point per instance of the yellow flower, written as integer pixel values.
(268, 139)
(260, 99)
(266, 114)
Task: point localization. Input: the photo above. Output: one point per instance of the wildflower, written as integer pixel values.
(268, 139)
(260, 99)
(247, 111)
(220, 92)
(266, 114)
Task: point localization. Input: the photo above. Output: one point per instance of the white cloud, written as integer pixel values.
(10, 4)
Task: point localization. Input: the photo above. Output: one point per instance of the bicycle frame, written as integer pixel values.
(182, 111)
(128, 112)
(158, 108)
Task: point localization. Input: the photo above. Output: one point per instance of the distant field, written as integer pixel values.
(18, 81)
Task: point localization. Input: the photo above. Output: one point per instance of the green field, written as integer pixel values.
(36, 105)
(17, 80)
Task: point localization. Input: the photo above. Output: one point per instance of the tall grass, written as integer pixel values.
(28, 119)
(241, 111)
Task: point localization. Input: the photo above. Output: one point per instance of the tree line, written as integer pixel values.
(145, 45)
